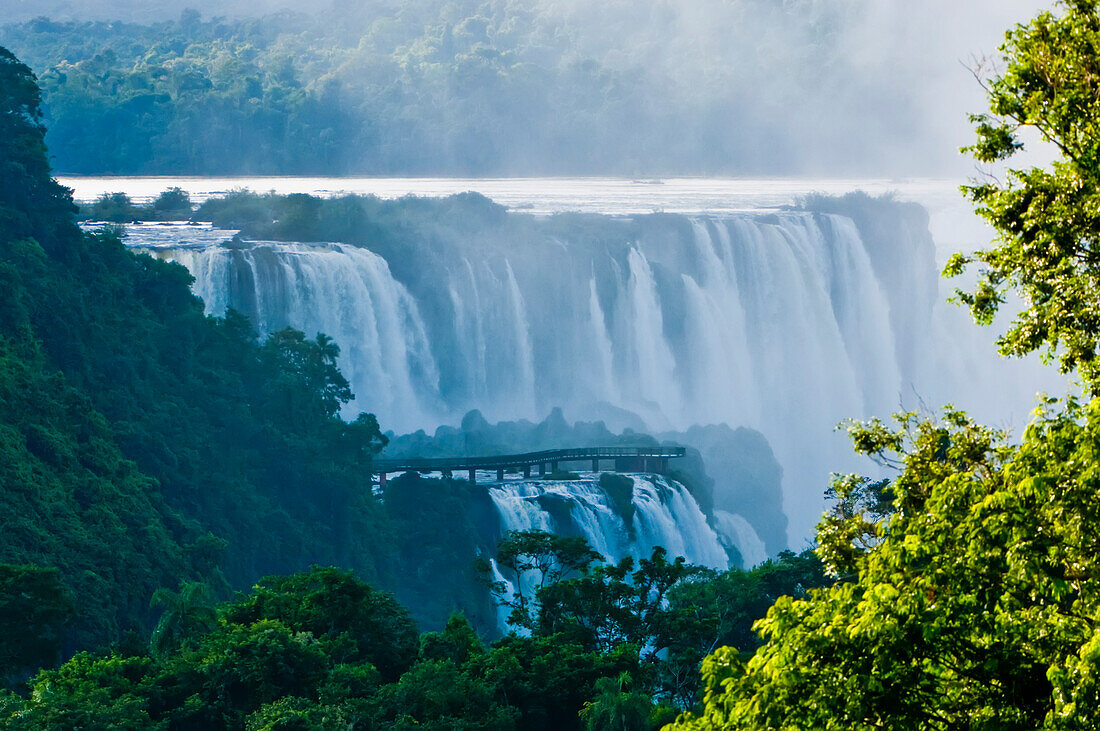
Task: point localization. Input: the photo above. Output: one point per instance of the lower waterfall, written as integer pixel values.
(664, 514)
(660, 512)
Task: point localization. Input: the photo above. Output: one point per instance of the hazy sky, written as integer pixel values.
(925, 44)
(883, 83)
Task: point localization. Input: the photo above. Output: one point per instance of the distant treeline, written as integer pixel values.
(428, 88)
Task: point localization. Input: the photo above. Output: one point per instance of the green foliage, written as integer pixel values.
(143, 444)
(598, 610)
(616, 707)
(114, 207)
(307, 663)
(296, 714)
(1045, 217)
(666, 614)
(33, 608)
(719, 609)
(32, 205)
(173, 202)
(437, 528)
(971, 596)
(310, 389)
(242, 671)
(243, 667)
(457, 642)
(549, 679)
(352, 621)
(186, 615)
(88, 691)
(72, 499)
(974, 605)
(225, 437)
(611, 605)
(437, 694)
(322, 649)
(537, 560)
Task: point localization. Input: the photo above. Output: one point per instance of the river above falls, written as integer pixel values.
(952, 223)
(540, 195)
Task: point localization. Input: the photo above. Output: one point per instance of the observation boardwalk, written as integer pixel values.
(627, 459)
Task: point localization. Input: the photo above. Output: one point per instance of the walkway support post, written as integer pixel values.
(473, 476)
(500, 475)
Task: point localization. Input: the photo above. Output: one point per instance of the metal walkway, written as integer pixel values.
(627, 459)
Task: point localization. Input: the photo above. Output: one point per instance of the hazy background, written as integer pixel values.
(512, 87)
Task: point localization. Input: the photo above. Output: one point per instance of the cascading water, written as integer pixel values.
(343, 291)
(664, 514)
(738, 531)
(787, 322)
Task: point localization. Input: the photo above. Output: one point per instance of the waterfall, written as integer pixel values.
(646, 351)
(525, 368)
(346, 292)
(665, 514)
(607, 385)
(785, 322)
(733, 528)
(504, 609)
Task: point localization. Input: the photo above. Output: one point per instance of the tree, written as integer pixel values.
(351, 620)
(115, 207)
(110, 691)
(298, 652)
(975, 606)
(609, 605)
(536, 559)
(1047, 219)
(33, 609)
(309, 389)
(32, 204)
(617, 707)
(174, 201)
(296, 714)
(188, 614)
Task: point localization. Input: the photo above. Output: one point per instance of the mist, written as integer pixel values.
(546, 87)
